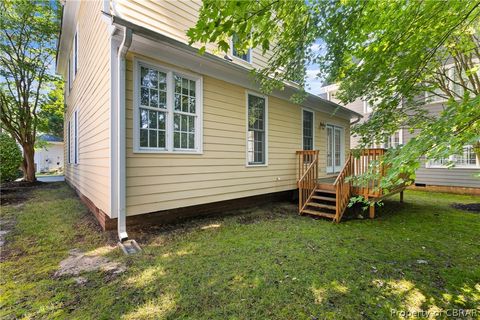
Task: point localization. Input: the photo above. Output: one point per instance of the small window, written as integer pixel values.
(245, 56)
(256, 134)
(168, 111)
(308, 128)
(72, 138)
(75, 54)
(367, 107)
(69, 75)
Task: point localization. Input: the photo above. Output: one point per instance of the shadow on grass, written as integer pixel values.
(261, 263)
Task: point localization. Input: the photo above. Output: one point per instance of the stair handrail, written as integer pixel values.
(307, 181)
(343, 188)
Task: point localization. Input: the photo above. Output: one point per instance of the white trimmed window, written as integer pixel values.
(69, 75)
(308, 128)
(75, 54)
(367, 107)
(257, 106)
(72, 133)
(245, 56)
(167, 110)
(466, 159)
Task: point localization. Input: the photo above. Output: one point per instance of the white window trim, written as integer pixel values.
(249, 54)
(169, 110)
(247, 164)
(429, 164)
(73, 139)
(75, 53)
(342, 146)
(313, 129)
(367, 108)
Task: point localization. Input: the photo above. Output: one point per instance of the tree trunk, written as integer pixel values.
(28, 163)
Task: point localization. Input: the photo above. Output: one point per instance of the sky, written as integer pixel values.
(313, 83)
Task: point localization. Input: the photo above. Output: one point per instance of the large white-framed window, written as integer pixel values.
(466, 160)
(246, 56)
(308, 129)
(73, 138)
(167, 109)
(257, 129)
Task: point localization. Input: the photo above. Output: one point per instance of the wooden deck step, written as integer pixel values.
(332, 199)
(325, 191)
(319, 213)
(321, 205)
(326, 186)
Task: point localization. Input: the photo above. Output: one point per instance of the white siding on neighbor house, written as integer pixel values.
(90, 95)
(173, 19)
(458, 177)
(164, 181)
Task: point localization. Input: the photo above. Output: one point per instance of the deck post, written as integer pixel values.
(401, 196)
(372, 211)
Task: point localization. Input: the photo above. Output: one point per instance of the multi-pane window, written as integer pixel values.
(307, 130)
(153, 103)
(256, 135)
(184, 113)
(168, 111)
(466, 159)
(245, 56)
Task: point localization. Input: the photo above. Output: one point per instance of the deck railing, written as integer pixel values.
(361, 165)
(307, 176)
(343, 188)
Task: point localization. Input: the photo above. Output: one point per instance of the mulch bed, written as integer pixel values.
(470, 207)
(17, 191)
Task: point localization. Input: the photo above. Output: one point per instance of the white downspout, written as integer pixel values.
(121, 153)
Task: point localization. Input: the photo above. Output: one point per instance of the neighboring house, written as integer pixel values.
(157, 131)
(434, 174)
(49, 157)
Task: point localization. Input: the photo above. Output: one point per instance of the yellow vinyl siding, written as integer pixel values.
(173, 19)
(165, 181)
(90, 95)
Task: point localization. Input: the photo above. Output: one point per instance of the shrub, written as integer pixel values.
(10, 158)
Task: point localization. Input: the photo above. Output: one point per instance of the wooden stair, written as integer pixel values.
(322, 203)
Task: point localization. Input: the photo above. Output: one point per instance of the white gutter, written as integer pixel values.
(121, 153)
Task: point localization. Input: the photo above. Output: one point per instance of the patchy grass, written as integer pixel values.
(263, 263)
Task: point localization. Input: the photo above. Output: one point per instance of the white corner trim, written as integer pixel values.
(253, 93)
(169, 111)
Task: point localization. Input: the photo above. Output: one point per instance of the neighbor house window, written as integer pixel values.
(245, 56)
(367, 107)
(256, 134)
(308, 127)
(466, 159)
(72, 132)
(168, 111)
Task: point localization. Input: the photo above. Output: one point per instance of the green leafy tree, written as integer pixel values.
(52, 111)
(28, 32)
(387, 52)
(10, 158)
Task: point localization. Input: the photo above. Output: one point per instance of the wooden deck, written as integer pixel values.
(329, 197)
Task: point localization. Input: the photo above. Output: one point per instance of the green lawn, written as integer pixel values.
(263, 263)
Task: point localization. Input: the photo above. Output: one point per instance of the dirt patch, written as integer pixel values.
(470, 207)
(79, 262)
(15, 192)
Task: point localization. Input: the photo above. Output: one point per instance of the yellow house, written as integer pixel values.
(156, 131)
